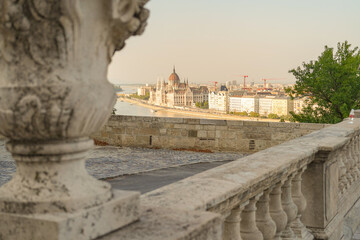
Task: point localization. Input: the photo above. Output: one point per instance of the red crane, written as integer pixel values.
(214, 83)
(244, 76)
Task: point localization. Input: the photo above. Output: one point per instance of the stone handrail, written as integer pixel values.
(275, 193)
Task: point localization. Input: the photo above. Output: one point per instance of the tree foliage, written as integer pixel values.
(244, 113)
(254, 114)
(203, 105)
(288, 118)
(273, 116)
(141, 97)
(331, 84)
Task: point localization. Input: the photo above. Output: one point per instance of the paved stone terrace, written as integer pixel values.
(109, 162)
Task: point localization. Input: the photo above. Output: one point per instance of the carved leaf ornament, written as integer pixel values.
(54, 56)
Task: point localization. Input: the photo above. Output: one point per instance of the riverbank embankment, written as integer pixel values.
(198, 113)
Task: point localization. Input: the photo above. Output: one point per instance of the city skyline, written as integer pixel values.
(213, 41)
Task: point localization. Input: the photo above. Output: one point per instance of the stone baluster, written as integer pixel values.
(356, 155)
(342, 172)
(276, 210)
(248, 228)
(289, 207)
(297, 226)
(232, 223)
(348, 163)
(54, 93)
(263, 219)
(351, 154)
(344, 180)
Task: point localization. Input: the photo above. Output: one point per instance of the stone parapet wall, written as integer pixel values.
(306, 188)
(200, 134)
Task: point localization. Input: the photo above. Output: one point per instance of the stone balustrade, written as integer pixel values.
(306, 188)
(53, 65)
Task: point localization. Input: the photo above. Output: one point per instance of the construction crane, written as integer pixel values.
(214, 83)
(244, 76)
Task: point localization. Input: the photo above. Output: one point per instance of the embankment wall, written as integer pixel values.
(199, 134)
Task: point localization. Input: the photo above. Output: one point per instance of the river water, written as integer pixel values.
(125, 108)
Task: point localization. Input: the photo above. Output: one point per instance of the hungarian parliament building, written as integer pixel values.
(176, 93)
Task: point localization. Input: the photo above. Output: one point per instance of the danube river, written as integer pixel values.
(126, 108)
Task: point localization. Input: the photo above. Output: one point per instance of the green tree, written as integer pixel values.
(273, 116)
(203, 105)
(143, 97)
(206, 105)
(254, 114)
(288, 118)
(332, 84)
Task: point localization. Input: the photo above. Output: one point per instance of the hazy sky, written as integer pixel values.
(216, 40)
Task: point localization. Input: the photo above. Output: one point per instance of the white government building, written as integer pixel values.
(281, 106)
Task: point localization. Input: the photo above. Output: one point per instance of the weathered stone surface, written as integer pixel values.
(256, 124)
(223, 188)
(192, 121)
(357, 113)
(282, 125)
(213, 122)
(193, 133)
(88, 223)
(171, 224)
(212, 187)
(53, 66)
(202, 134)
(264, 134)
(351, 222)
(171, 120)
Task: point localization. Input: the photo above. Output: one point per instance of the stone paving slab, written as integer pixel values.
(148, 181)
(109, 162)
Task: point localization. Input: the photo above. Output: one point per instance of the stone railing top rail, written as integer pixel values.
(222, 188)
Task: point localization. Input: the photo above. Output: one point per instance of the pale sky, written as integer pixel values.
(216, 40)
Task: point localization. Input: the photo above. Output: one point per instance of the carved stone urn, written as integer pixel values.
(54, 94)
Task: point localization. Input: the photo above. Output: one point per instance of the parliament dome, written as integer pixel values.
(174, 76)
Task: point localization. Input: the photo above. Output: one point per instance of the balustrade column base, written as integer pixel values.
(288, 234)
(303, 234)
(327, 234)
(88, 223)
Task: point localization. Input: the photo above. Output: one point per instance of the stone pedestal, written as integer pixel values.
(90, 223)
(321, 187)
(53, 95)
